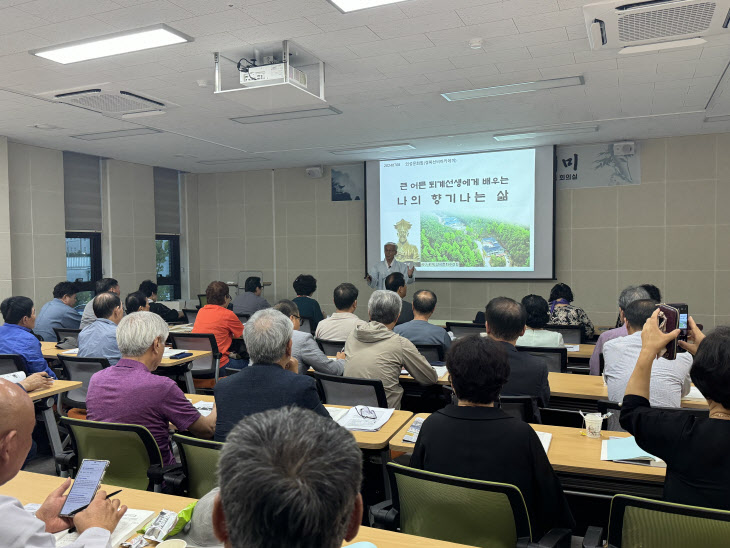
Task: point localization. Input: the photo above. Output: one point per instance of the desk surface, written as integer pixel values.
(365, 440)
(50, 352)
(591, 387)
(569, 451)
(58, 387)
(585, 352)
(28, 487)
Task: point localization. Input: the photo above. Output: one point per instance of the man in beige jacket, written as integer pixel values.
(374, 351)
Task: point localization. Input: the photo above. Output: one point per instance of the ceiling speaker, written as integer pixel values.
(626, 148)
(315, 172)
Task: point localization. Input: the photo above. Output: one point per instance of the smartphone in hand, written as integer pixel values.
(668, 322)
(87, 483)
(682, 323)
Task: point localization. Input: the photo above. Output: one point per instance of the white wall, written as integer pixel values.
(6, 282)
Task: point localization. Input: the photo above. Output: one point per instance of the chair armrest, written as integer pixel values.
(157, 472)
(554, 538)
(592, 538)
(176, 480)
(66, 460)
(384, 515)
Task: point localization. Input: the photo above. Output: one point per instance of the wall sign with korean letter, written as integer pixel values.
(583, 166)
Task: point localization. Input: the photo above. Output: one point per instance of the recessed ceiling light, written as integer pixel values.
(509, 89)
(113, 44)
(544, 133)
(719, 118)
(377, 148)
(290, 115)
(114, 134)
(353, 5)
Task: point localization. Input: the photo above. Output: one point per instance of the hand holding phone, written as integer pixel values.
(668, 318)
(87, 482)
(101, 512)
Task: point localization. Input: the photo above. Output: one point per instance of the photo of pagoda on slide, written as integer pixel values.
(473, 241)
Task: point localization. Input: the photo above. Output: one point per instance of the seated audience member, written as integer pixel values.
(58, 313)
(128, 392)
(340, 324)
(22, 529)
(281, 488)
(250, 301)
(216, 319)
(137, 301)
(272, 379)
(537, 317)
(99, 340)
(149, 289)
(305, 349)
(374, 351)
(305, 285)
(528, 374)
(396, 282)
(477, 440)
(669, 378)
(694, 448)
(654, 294)
(16, 334)
(102, 286)
(564, 313)
(628, 296)
(418, 330)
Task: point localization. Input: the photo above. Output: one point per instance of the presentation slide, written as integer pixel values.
(480, 215)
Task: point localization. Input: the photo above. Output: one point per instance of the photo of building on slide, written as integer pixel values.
(473, 241)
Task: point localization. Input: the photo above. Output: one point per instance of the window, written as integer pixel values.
(83, 263)
(168, 267)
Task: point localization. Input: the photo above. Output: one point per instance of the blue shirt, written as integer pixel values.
(99, 340)
(15, 339)
(422, 332)
(56, 314)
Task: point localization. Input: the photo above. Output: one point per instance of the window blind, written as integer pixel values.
(82, 192)
(167, 201)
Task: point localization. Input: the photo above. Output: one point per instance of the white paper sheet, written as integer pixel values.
(545, 439)
(353, 421)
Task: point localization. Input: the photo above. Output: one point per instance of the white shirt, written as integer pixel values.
(540, 338)
(382, 270)
(338, 326)
(21, 529)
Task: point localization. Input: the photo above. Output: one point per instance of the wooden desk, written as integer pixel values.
(50, 352)
(28, 487)
(584, 353)
(58, 387)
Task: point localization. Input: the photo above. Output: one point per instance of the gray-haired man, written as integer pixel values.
(288, 478)
(377, 274)
(271, 381)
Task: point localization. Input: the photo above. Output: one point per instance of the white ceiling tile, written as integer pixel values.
(710, 67)
(484, 58)
(542, 62)
(568, 4)
(22, 61)
(505, 79)
(384, 62)
(285, 30)
(416, 25)
(549, 20)
(281, 10)
(526, 39)
(715, 51)
(576, 32)
(143, 15)
(212, 23)
(564, 46)
(16, 42)
(605, 78)
(335, 79)
(62, 10)
(489, 32)
(196, 7)
(418, 68)
(588, 56)
(578, 68)
(682, 54)
(680, 69)
(14, 20)
(632, 62)
(338, 38)
(382, 47)
(452, 51)
(440, 87)
(74, 29)
(418, 8)
(338, 21)
(506, 10)
(191, 62)
(637, 76)
(462, 73)
(334, 54)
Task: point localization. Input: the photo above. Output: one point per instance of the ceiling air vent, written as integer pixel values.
(110, 100)
(655, 24)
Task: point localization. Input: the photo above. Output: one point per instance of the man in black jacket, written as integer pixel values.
(272, 380)
(149, 288)
(529, 374)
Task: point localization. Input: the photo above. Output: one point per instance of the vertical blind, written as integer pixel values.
(167, 201)
(82, 192)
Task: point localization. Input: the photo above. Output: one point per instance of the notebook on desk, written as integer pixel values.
(627, 451)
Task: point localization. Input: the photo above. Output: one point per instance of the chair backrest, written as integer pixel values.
(572, 334)
(130, 449)
(190, 315)
(635, 521)
(556, 358)
(601, 363)
(351, 391)
(521, 407)
(11, 363)
(79, 369)
(561, 417)
(62, 332)
(202, 299)
(330, 348)
(472, 512)
(200, 461)
(207, 365)
(305, 324)
(432, 352)
(244, 317)
(459, 329)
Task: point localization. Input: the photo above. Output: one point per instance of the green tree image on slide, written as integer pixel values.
(440, 243)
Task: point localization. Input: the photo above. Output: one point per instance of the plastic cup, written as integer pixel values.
(594, 422)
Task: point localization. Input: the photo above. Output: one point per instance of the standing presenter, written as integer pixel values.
(377, 274)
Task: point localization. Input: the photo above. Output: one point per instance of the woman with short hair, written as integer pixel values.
(305, 285)
(562, 312)
(538, 316)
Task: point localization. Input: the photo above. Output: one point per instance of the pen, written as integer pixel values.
(73, 529)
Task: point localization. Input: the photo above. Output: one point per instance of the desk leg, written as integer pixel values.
(384, 458)
(189, 382)
(49, 418)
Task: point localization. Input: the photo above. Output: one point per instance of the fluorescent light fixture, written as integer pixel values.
(113, 44)
(509, 89)
(346, 6)
(376, 148)
(672, 44)
(290, 115)
(544, 133)
(114, 134)
(720, 118)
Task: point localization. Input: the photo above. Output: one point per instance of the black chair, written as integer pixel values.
(556, 358)
(11, 363)
(244, 317)
(351, 391)
(190, 315)
(330, 348)
(306, 325)
(572, 334)
(521, 407)
(459, 329)
(206, 367)
(432, 352)
(561, 417)
(203, 299)
(79, 369)
(601, 363)
(62, 333)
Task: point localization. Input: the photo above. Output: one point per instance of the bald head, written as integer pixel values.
(17, 420)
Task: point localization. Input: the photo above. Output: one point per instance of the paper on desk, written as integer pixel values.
(14, 377)
(545, 439)
(353, 421)
(440, 370)
(70, 352)
(572, 347)
(205, 408)
(336, 413)
(694, 394)
(624, 449)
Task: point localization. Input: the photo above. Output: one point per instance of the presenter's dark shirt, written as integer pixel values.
(484, 443)
(695, 449)
(309, 308)
(261, 387)
(528, 376)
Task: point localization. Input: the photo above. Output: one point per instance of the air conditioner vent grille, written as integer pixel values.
(666, 22)
(111, 102)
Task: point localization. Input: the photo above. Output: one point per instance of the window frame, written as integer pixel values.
(175, 279)
(96, 264)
